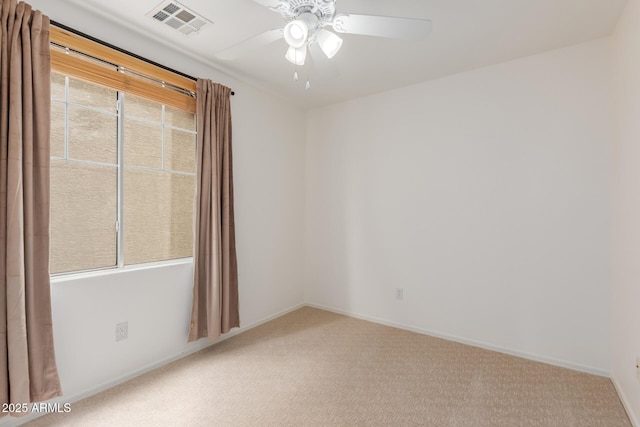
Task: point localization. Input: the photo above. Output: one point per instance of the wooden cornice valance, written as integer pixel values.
(79, 57)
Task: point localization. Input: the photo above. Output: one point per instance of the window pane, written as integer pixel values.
(93, 136)
(92, 95)
(58, 123)
(142, 109)
(57, 86)
(158, 209)
(179, 119)
(142, 144)
(180, 150)
(83, 216)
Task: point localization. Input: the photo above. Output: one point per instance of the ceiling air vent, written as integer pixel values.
(179, 17)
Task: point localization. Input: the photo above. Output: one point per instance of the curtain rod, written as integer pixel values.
(126, 52)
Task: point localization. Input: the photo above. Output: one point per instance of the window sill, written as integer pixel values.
(64, 277)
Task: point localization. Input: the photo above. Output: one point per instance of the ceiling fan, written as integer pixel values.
(306, 29)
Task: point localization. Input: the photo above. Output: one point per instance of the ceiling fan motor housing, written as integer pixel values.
(324, 10)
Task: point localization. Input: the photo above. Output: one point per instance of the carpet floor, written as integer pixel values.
(316, 368)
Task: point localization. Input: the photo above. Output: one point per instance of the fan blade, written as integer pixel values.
(322, 67)
(382, 26)
(246, 46)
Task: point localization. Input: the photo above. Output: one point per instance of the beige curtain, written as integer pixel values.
(27, 362)
(215, 288)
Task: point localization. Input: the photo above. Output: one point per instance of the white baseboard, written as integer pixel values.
(524, 355)
(193, 348)
(625, 403)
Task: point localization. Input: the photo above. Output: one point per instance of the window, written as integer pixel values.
(122, 177)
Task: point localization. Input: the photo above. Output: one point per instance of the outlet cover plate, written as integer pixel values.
(122, 331)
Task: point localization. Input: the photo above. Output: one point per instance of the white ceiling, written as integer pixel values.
(467, 34)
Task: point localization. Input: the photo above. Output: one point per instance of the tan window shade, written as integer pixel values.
(119, 71)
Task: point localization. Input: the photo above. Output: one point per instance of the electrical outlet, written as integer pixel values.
(122, 331)
(399, 293)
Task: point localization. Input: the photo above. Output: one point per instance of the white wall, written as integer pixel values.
(626, 213)
(268, 143)
(155, 302)
(485, 195)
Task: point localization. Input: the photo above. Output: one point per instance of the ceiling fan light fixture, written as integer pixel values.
(297, 56)
(329, 42)
(296, 33)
